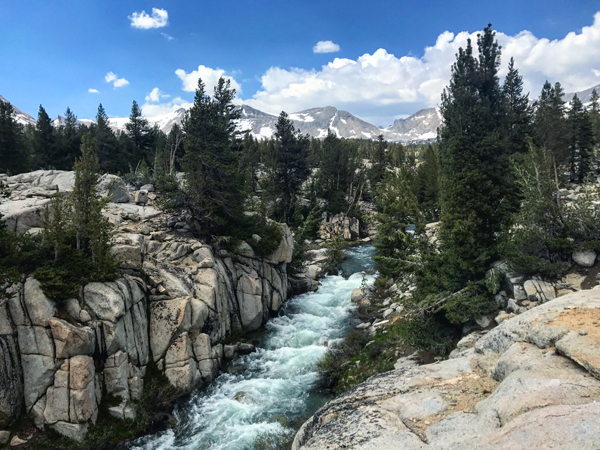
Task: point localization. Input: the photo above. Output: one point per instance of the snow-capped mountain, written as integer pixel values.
(585, 96)
(313, 122)
(60, 120)
(316, 121)
(164, 122)
(260, 124)
(22, 118)
(421, 126)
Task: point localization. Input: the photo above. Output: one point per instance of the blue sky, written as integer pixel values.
(394, 57)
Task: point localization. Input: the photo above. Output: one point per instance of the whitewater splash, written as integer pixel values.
(266, 395)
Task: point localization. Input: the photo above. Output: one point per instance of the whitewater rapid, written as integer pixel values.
(263, 397)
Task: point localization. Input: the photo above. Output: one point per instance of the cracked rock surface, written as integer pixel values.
(174, 304)
(531, 383)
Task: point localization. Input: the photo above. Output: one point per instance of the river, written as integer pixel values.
(260, 401)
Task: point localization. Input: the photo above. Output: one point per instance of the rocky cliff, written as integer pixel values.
(533, 382)
(174, 306)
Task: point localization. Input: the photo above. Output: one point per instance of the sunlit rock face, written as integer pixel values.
(174, 304)
(528, 383)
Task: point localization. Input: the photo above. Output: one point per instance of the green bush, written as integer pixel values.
(426, 333)
(270, 234)
(475, 302)
(546, 230)
(335, 256)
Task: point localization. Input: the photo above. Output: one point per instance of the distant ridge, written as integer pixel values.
(420, 127)
(22, 118)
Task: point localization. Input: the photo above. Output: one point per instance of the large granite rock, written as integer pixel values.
(585, 258)
(342, 226)
(30, 193)
(531, 383)
(58, 358)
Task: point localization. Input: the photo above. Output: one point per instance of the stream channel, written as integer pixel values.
(263, 398)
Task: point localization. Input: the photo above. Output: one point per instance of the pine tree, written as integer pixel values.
(580, 140)
(519, 113)
(45, 148)
(13, 157)
(474, 162)
(595, 115)
(550, 124)
(378, 161)
(213, 194)
(69, 141)
(339, 181)
(427, 185)
(169, 152)
(140, 137)
(398, 211)
(93, 231)
(292, 165)
(106, 144)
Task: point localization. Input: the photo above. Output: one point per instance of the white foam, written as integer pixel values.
(278, 380)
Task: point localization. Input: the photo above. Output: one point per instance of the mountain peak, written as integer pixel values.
(21, 117)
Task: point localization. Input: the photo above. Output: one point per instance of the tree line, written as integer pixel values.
(493, 182)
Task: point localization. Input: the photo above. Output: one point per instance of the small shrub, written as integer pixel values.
(335, 256)
(426, 333)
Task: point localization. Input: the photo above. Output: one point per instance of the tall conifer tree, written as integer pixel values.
(474, 162)
(44, 142)
(140, 137)
(519, 113)
(213, 190)
(13, 157)
(595, 115)
(580, 140)
(69, 141)
(550, 124)
(292, 164)
(107, 146)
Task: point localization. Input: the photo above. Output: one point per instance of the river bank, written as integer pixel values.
(263, 397)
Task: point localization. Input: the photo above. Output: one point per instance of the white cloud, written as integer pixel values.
(168, 37)
(326, 47)
(110, 77)
(93, 91)
(121, 82)
(155, 96)
(158, 19)
(384, 85)
(154, 110)
(209, 76)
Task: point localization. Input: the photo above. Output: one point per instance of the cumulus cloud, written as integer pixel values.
(110, 77)
(384, 85)
(326, 47)
(209, 76)
(168, 37)
(156, 95)
(144, 21)
(93, 91)
(153, 109)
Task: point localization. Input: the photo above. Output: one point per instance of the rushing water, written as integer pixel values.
(265, 396)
